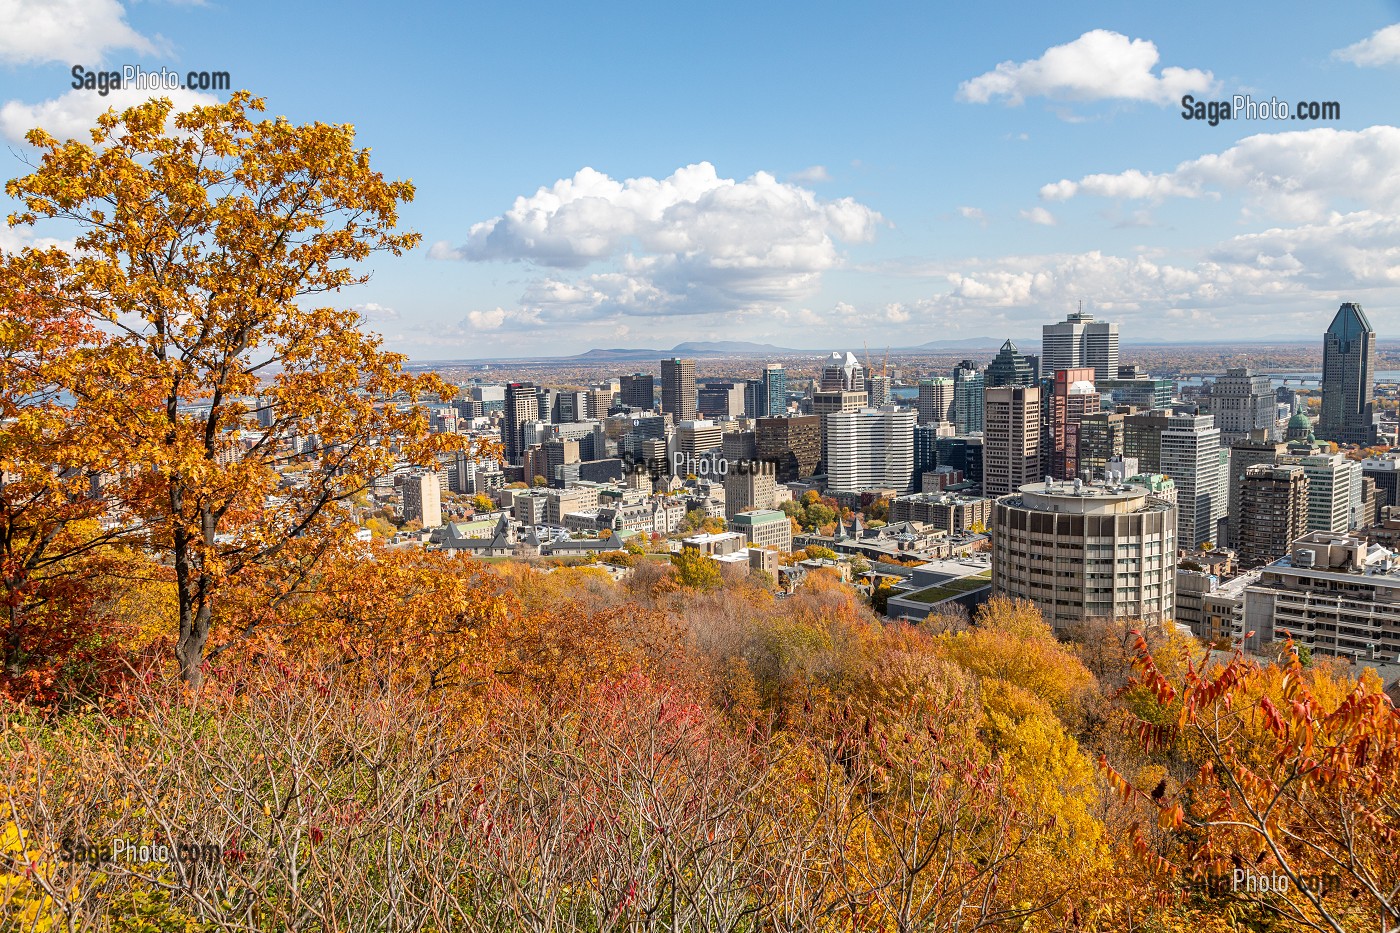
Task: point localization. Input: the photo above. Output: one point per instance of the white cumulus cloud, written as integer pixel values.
(1274, 281)
(1039, 215)
(1297, 176)
(690, 243)
(1382, 47)
(1099, 65)
(77, 32)
(73, 114)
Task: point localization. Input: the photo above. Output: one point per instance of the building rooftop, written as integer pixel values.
(710, 537)
(1079, 497)
(1081, 490)
(1235, 586)
(759, 516)
(1329, 552)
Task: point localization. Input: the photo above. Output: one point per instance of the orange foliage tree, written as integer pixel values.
(1295, 800)
(240, 412)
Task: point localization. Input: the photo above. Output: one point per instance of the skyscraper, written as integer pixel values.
(722, 400)
(638, 392)
(793, 443)
(600, 399)
(1273, 512)
(1011, 439)
(1072, 398)
(1100, 440)
(422, 499)
(1078, 341)
(1142, 438)
(925, 450)
(1191, 456)
(755, 398)
(935, 400)
(1246, 453)
(1334, 490)
(968, 386)
(678, 389)
(841, 388)
(774, 390)
(1348, 378)
(1009, 368)
(522, 405)
(1243, 403)
(870, 448)
(842, 371)
(878, 387)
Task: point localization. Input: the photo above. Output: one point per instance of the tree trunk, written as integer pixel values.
(189, 650)
(192, 594)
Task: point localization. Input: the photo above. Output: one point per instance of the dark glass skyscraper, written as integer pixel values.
(1009, 368)
(967, 397)
(678, 397)
(774, 389)
(638, 391)
(1348, 378)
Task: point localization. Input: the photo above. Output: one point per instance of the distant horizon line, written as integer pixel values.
(993, 344)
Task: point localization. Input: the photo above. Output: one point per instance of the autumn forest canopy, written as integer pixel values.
(288, 728)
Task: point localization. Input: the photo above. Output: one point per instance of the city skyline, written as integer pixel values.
(643, 209)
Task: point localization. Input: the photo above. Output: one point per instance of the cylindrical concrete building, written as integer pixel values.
(1083, 551)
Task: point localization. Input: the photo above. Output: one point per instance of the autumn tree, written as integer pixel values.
(241, 409)
(1296, 779)
(696, 570)
(47, 509)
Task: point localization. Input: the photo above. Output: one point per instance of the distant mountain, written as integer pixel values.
(730, 348)
(620, 353)
(693, 348)
(969, 342)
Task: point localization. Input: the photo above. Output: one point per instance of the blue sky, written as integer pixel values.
(809, 175)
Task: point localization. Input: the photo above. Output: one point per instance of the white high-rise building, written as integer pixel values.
(1334, 490)
(1080, 341)
(870, 448)
(1191, 456)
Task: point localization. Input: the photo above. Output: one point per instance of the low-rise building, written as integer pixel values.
(764, 528)
(717, 543)
(947, 511)
(939, 583)
(1334, 593)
